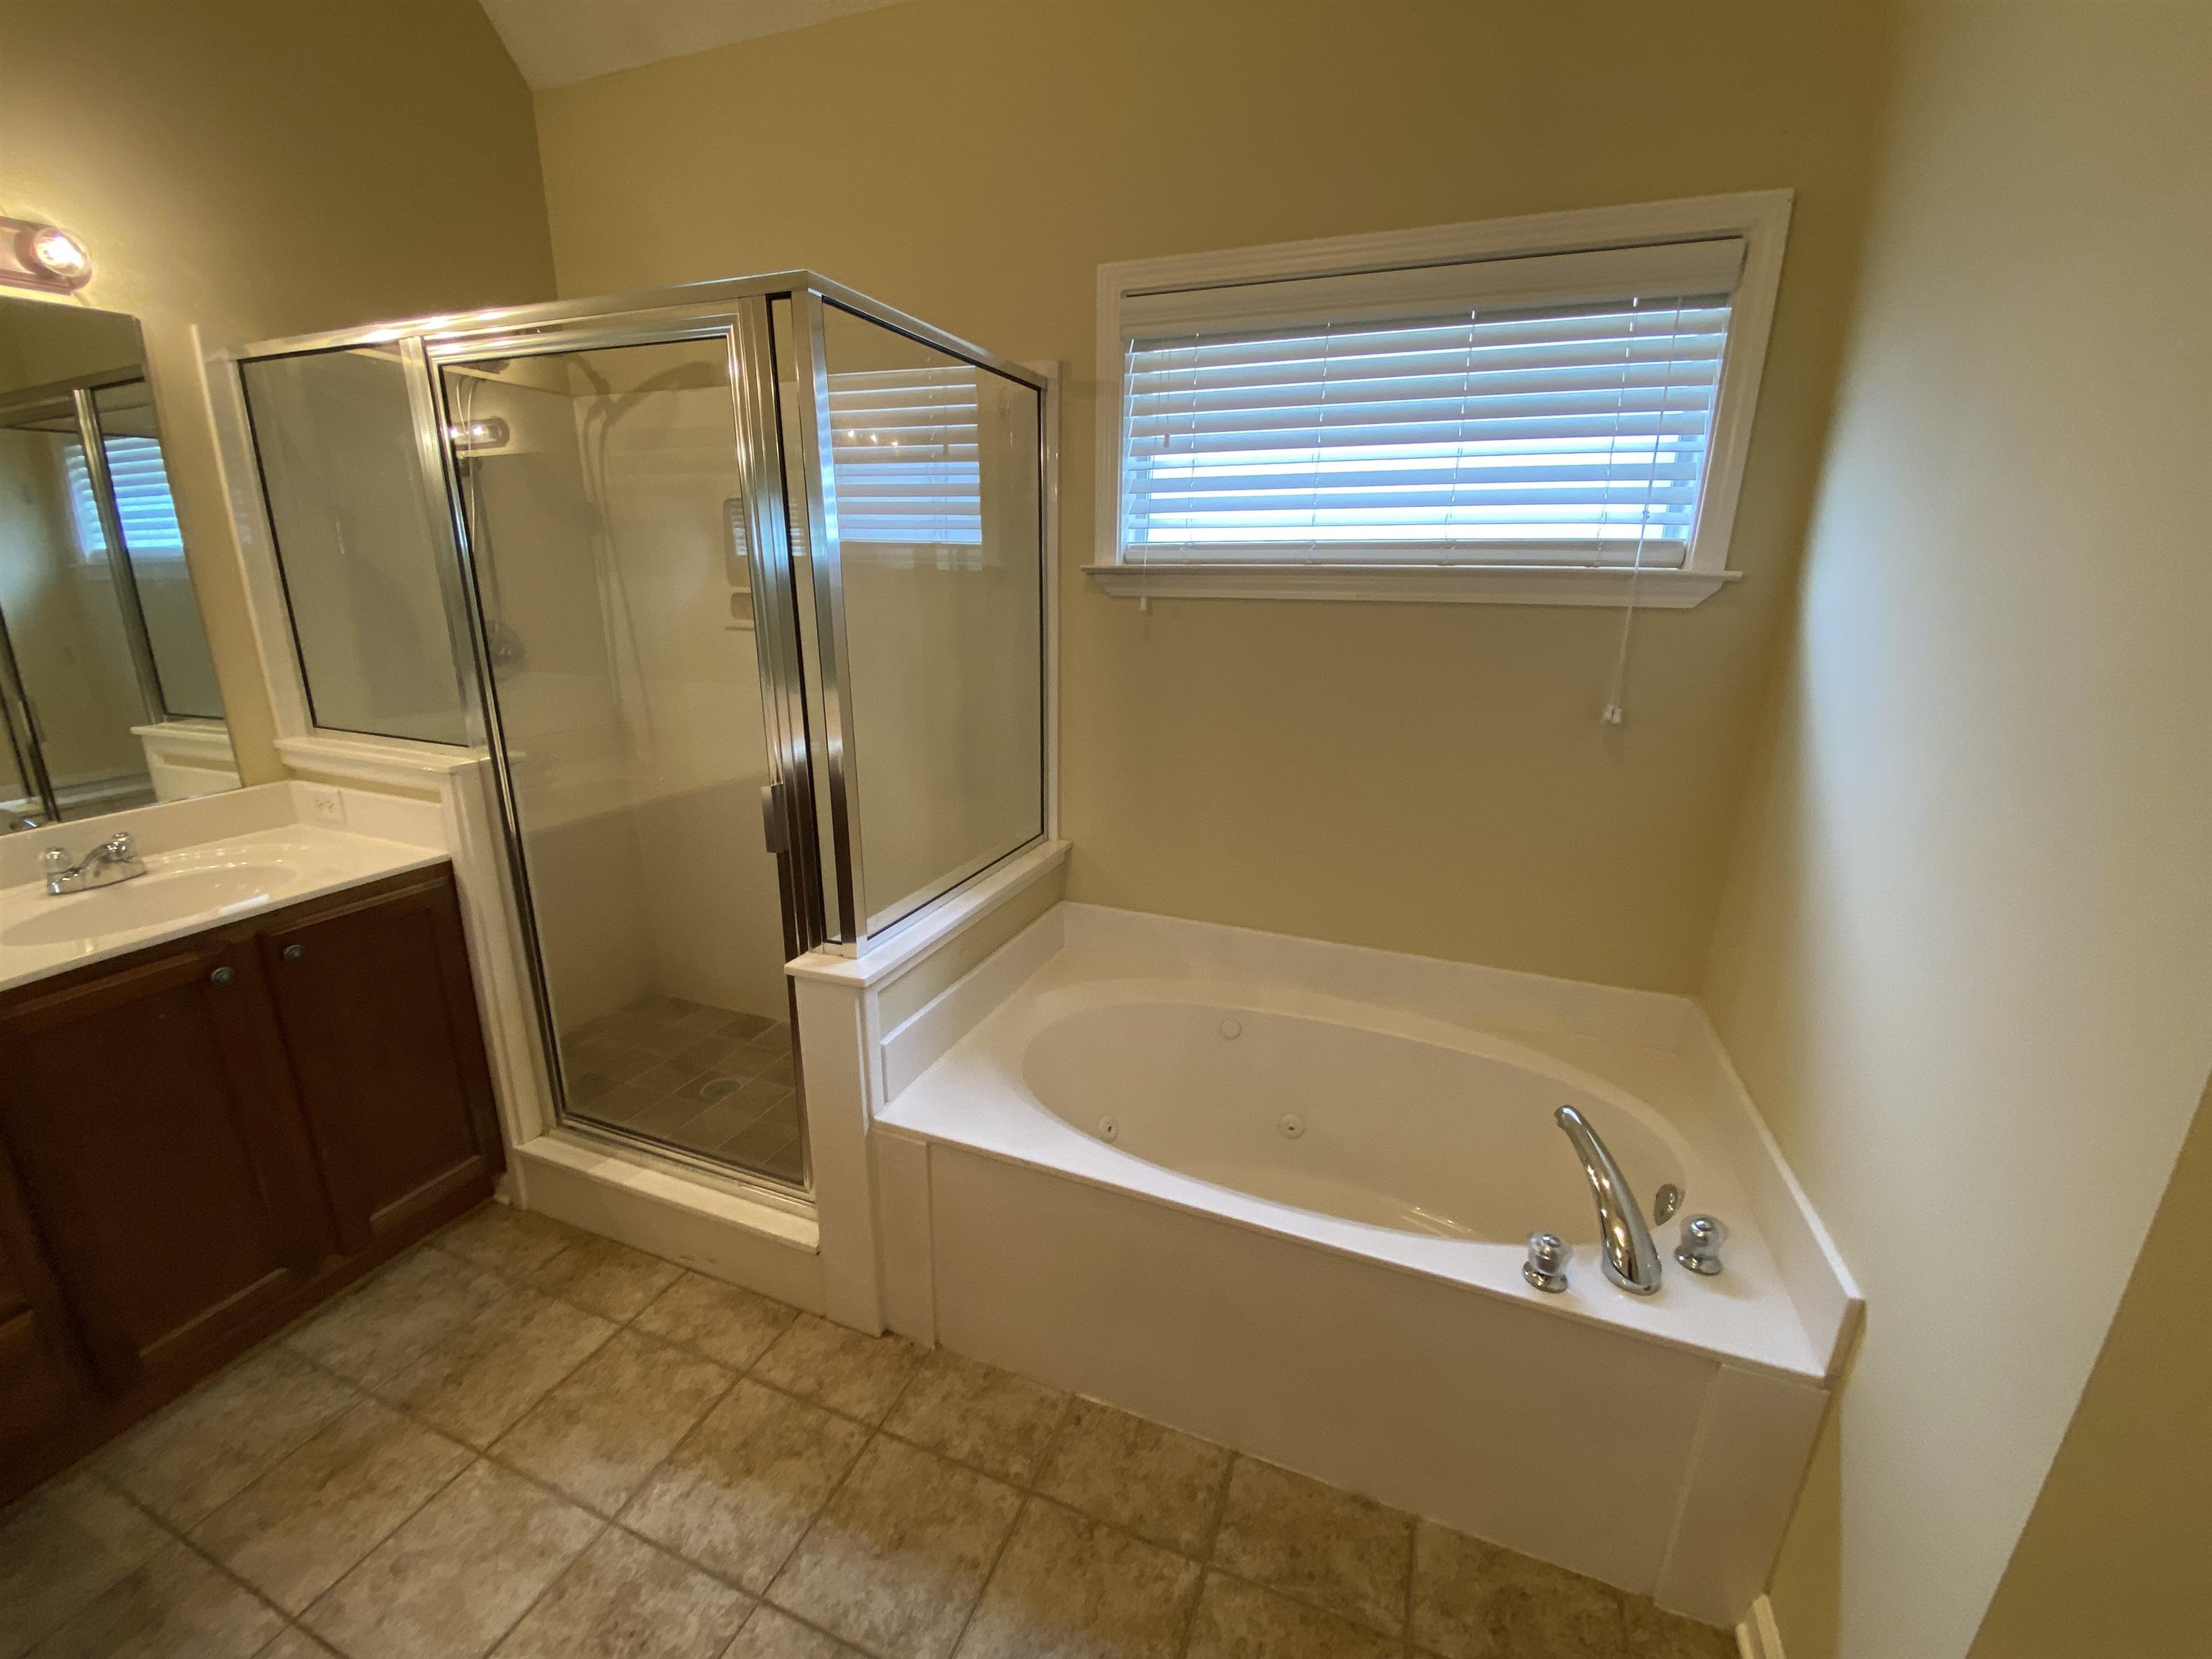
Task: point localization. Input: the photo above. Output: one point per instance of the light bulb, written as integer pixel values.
(59, 254)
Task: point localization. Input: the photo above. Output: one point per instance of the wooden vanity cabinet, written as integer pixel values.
(379, 1021)
(201, 1139)
(38, 1393)
(148, 1112)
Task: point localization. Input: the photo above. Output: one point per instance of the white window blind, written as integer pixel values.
(143, 502)
(1556, 410)
(905, 457)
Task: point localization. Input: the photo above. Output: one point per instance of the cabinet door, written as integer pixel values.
(42, 1400)
(149, 1121)
(381, 1022)
(42, 1391)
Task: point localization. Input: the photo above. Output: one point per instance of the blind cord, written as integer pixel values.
(1615, 713)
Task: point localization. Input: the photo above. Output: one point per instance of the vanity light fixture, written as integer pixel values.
(36, 254)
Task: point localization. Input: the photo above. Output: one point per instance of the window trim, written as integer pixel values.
(1762, 218)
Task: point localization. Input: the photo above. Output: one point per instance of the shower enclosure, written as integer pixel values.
(742, 585)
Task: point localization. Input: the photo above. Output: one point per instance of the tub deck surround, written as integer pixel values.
(209, 860)
(1360, 1316)
(1029, 1083)
(982, 1096)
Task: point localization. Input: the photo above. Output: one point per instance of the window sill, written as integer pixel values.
(1413, 584)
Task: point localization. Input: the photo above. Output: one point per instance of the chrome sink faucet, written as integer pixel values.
(111, 862)
(1631, 1260)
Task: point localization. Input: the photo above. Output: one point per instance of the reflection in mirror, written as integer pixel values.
(107, 690)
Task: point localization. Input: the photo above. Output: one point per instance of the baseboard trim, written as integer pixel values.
(1757, 1638)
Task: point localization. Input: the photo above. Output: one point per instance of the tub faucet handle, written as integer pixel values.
(1700, 1248)
(1546, 1266)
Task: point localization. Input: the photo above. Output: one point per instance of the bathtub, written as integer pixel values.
(1278, 1193)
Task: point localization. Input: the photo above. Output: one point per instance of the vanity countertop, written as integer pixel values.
(187, 889)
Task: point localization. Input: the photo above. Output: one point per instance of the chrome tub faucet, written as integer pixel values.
(111, 862)
(1631, 1259)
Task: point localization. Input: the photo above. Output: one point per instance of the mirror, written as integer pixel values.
(107, 691)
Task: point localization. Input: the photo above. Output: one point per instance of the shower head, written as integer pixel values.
(478, 436)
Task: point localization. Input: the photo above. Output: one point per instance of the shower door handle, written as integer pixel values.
(773, 828)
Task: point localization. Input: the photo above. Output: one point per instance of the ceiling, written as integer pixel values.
(554, 42)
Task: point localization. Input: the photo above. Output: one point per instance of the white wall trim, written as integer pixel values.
(1465, 584)
(1758, 1637)
(937, 927)
(1760, 218)
(197, 741)
(391, 762)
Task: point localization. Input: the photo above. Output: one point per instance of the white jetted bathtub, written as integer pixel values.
(1278, 1193)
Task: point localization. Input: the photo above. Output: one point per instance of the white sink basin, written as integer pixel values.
(150, 901)
(257, 854)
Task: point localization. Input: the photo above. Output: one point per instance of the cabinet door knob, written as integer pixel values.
(222, 977)
(293, 952)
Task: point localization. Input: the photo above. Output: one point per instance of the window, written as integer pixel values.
(904, 444)
(143, 502)
(1539, 410)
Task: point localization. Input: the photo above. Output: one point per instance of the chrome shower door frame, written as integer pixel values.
(856, 927)
(742, 325)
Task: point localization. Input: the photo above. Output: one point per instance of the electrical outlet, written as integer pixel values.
(327, 805)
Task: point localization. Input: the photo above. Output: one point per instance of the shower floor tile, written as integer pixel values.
(725, 1479)
(711, 1081)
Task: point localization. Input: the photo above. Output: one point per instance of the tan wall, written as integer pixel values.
(1430, 778)
(1964, 962)
(2112, 1560)
(262, 168)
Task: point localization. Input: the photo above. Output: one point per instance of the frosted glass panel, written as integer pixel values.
(347, 501)
(934, 483)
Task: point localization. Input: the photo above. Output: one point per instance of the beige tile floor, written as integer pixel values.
(709, 1080)
(524, 1441)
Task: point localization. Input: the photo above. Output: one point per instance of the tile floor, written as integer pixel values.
(709, 1080)
(524, 1441)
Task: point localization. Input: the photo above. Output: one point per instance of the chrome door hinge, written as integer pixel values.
(774, 829)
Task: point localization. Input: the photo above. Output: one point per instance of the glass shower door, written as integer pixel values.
(609, 536)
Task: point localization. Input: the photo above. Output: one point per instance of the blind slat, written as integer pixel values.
(905, 448)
